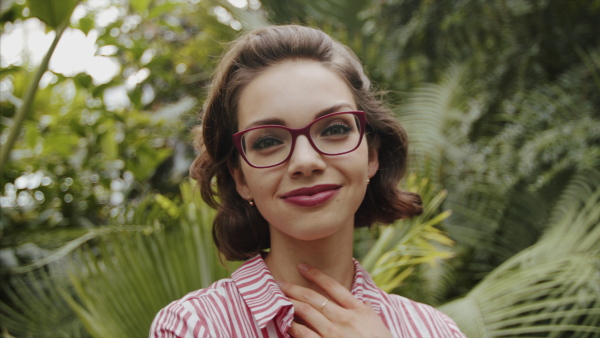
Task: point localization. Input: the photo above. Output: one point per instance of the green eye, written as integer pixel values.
(336, 130)
(266, 143)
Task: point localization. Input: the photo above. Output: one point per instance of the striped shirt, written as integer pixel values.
(250, 304)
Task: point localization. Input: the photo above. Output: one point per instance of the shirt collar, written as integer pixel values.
(364, 287)
(261, 293)
(266, 301)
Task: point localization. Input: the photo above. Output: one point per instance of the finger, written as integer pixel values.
(312, 317)
(301, 331)
(335, 290)
(305, 295)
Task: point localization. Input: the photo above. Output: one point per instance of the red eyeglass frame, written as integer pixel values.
(362, 120)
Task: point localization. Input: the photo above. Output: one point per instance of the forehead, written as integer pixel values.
(294, 92)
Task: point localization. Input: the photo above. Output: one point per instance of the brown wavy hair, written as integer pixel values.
(239, 230)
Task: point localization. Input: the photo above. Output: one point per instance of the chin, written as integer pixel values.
(320, 232)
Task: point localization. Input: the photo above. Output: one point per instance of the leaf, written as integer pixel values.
(171, 208)
(140, 6)
(549, 288)
(108, 142)
(407, 244)
(86, 24)
(134, 275)
(63, 251)
(52, 12)
(36, 308)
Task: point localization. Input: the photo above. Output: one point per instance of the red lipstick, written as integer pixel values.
(311, 196)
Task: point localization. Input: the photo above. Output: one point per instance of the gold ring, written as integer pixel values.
(323, 305)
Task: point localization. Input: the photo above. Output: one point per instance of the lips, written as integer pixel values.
(311, 196)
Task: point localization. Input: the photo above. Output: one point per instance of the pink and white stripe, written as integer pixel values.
(250, 304)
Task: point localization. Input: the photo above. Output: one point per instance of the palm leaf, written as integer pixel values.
(402, 246)
(34, 307)
(552, 287)
(125, 280)
(435, 125)
(114, 286)
(34, 294)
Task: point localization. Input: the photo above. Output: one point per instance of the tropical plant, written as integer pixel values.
(400, 248)
(80, 162)
(91, 153)
(539, 175)
(56, 17)
(552, 287)
(34, 307)
(79, 156)
(499, 100)
(125, 279)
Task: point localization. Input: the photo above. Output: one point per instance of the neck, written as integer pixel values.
(331, 255)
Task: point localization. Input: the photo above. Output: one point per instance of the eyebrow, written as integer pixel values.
(279, 122)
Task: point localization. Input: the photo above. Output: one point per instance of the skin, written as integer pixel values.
(344, 316)
(294, 93)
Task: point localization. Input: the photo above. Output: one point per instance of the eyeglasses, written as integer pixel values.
(271, 145)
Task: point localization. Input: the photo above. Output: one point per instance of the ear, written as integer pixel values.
(373, 162)
(240, 182)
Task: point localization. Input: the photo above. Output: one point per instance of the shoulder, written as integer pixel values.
(405, 317)
(200, 313)
(423, 319)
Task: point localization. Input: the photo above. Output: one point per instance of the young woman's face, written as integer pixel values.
(311, 196)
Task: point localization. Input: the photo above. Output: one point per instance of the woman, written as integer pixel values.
(295, 152)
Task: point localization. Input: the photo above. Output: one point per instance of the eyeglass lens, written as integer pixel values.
(271, 145)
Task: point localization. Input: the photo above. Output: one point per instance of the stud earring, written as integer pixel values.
(368, 181)
(250, 201)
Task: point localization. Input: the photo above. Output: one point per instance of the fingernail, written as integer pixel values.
(303, 267)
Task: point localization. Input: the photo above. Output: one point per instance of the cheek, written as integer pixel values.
(261, 182)
(362, 158)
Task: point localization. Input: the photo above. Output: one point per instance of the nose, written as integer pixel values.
(305, 160)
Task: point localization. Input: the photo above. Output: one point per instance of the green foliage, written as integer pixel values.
(551, 288)
(499, 99)
(81, 162)
(119, 277)
(52, 12)
(79, 157)
(123, 281)
(35, 308)
(403, 246)
(140, 5)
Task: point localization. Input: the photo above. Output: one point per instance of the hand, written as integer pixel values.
(342, 316)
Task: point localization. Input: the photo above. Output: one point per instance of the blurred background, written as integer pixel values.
(100, 226)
